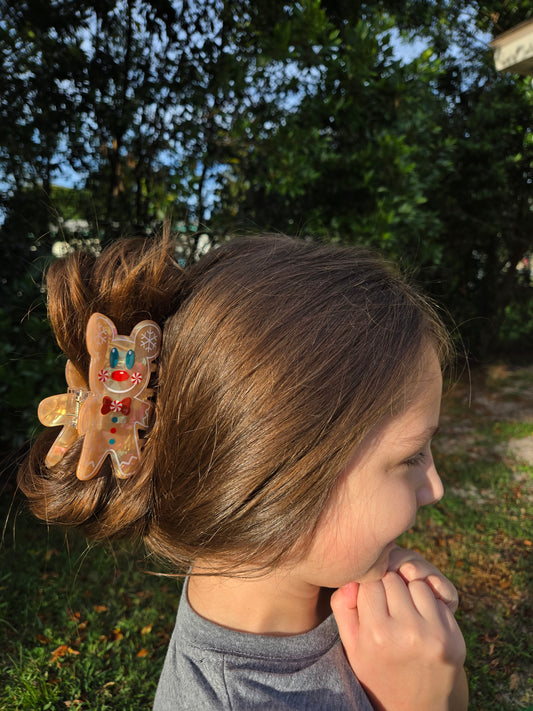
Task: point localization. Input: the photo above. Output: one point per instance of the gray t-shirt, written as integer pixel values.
(209, 667)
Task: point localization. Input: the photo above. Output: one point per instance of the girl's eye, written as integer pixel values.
(130, 359)
(113, 358)
(415, 459)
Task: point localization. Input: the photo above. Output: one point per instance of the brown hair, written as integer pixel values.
(278, 356)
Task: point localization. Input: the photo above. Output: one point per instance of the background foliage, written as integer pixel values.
(227, 116)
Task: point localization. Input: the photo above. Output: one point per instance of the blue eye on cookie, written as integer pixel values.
(113, 358)
(130, 359)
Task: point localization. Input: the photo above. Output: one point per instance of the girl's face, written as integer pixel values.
(391, 474)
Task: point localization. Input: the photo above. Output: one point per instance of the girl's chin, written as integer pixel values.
(381, 566)
(374, 573)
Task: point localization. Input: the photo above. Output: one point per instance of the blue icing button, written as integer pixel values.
(111, 441)
(114, 419)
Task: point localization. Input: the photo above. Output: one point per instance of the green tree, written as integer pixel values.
(357, 156)
(486, 203)
(429, 160)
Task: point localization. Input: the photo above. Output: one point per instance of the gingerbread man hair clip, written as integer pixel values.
(116, 407)
(64, 410)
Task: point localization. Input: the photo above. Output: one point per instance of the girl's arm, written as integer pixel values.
(403, 644)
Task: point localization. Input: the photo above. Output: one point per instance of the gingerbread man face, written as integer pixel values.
(120, 365)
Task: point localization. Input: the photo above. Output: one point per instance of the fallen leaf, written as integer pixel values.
(147, 629)
(59, 652)
(100, 608)
(142, 653)
(62, 651)
(116, 635)
(143, 594)
(514, 681)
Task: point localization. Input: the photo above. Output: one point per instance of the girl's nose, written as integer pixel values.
(431, 490)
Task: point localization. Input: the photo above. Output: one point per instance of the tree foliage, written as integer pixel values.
(486, 202)
(304, 117)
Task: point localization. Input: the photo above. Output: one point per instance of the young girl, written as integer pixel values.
(294, 401)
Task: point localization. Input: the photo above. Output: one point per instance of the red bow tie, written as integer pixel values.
(109, 405)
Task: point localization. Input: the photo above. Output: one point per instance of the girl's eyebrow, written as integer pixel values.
(422, 437)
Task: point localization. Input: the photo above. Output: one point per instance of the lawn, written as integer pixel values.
(80, 627)
(87, 627)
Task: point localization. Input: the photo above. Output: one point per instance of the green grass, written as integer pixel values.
(80, 627)
(87, 628)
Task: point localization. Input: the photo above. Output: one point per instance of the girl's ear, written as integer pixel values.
(147, 338)
(100, 332)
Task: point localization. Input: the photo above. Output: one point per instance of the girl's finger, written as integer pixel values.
(346, 616)
(349, 594)
(424, 601)
(372, 600)
(398, 599)
(413, 570)
(444, 590)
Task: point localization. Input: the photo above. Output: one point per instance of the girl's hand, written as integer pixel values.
(403, 644)
(410, 565)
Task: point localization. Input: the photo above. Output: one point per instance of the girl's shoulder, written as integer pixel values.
(211, 667)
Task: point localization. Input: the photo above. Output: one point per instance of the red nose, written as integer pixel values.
(120, 375)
